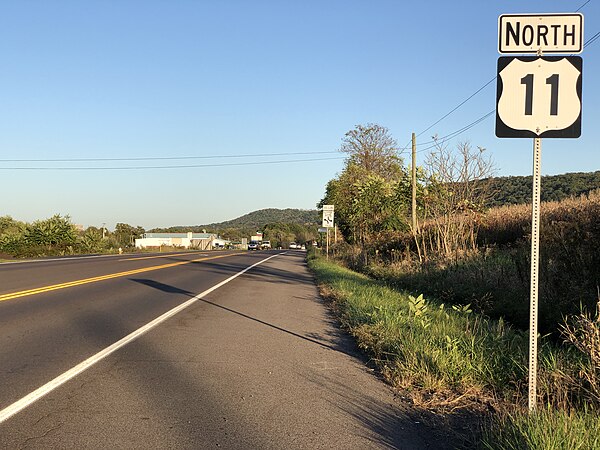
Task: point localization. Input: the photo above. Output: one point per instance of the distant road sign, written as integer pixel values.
(328, 215)
(548, 33)
(539, 97)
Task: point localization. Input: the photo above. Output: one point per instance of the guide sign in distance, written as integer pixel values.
(328, 216)
(539, 97)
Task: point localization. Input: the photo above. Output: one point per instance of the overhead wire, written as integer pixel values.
(435, 142)
(457, 132)
(458, 106)
(592, 39)
(187, 166)
(163, 158)
(581, 7)
(442, 140)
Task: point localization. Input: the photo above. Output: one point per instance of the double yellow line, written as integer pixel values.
(54, 287)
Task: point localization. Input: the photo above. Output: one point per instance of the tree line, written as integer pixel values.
(57, 235)
(517, 190)
(461, 249)
(373, 195)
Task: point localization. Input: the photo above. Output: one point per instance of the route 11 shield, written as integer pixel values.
(539, 97)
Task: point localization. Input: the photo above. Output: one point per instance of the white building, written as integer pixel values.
(202, 241)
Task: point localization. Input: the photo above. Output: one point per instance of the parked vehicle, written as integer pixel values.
(265, 245)
(254, 245)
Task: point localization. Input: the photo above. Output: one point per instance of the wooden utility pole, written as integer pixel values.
(415, 223)
(414, 183)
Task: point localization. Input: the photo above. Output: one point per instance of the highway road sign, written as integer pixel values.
(539, 97)
(546, 33)
(328, 215)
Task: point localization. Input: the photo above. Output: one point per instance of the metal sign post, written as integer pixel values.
(535, 255)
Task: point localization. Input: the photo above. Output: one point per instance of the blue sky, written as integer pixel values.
(165, 79)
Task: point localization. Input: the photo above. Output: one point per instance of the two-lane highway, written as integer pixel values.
(56, 313)
(192, 350)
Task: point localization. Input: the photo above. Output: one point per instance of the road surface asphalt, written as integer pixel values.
(259, 363)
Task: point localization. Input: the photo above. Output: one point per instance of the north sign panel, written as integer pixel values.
(546, 33)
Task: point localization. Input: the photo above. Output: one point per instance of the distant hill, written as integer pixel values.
(518, 190)
(255, 220)
(271, 215)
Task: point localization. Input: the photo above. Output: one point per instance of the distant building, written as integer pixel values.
(202, 241)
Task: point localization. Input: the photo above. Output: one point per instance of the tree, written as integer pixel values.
(55, 235)
(8, 225)
(372, 148)
(281, 234)
(365, 194)
(458, 192)
(377, 207)
(126, 234)
(91, 241)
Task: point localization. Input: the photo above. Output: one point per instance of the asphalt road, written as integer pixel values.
(238, 356)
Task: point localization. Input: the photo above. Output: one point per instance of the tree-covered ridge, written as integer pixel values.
(254, 220)
(515, 190)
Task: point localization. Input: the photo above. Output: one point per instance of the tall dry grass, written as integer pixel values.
(495, 277)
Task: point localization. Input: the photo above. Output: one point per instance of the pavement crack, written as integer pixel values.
(26, 442)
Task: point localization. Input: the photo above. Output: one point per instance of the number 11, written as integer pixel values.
(552, 80)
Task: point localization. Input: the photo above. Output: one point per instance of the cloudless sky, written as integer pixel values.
(117, 79)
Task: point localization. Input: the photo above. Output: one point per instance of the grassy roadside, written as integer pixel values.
(448, 358)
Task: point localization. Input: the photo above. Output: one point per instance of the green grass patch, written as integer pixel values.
(419, 344)
(449, 357)
(545, 429)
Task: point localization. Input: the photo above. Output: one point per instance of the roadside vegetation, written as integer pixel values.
(517, 190)
(57, 236)
(441, 303)
(449, 357)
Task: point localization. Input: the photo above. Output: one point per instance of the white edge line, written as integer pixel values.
(29, 399)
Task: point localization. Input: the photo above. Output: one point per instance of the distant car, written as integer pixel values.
(254, 245)
(265, 244)
(293, 245)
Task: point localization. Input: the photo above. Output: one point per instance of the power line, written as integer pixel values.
(579, 9)
(452, 135)
(462, 130)
(593, 39)
(458, 106)
(165, 158)
(459, 131)
(189, 166)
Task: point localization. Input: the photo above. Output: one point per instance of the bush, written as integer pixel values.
(495, 278)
